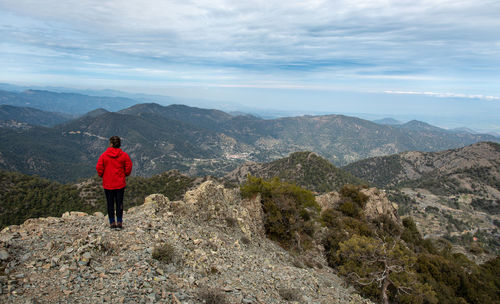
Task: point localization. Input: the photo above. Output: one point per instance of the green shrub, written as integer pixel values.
(431, 209)
(352, 201)
(353, 193)
(330, 217)
(289, 211)
(387, 226)
(344, 228)
(357, 226)
(331, 244)
(476, 248)
(349, 208)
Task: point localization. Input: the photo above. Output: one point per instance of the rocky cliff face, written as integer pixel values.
(217, 250)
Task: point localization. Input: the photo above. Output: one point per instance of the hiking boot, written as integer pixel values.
(112, 225)
(119, 225)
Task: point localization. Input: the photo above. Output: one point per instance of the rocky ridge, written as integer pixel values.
(459, 164)
(453, 194)
(218, 246)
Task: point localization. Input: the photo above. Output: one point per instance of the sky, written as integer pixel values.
(432, 60)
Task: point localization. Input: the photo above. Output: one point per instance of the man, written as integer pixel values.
(113, 166)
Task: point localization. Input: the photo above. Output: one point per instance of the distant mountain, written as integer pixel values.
(137, 97)
(32, 116)
(306, 169)
(69, 103)
(416, 125)
(341, 139)
(203, 118)
(239, 113)
(387, 121)
(11, 87)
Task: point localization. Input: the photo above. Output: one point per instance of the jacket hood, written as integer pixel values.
(113, 152)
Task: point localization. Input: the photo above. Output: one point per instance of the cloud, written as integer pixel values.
(446, 95)
(415, 43)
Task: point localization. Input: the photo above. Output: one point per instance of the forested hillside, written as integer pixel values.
(306, 169)
(25, 196)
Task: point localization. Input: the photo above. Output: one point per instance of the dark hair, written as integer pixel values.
(115, 141)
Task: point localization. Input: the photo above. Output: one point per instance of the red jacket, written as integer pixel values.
(113, 166)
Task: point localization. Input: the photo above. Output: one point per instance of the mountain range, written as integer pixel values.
(203, 141)
(68, 103)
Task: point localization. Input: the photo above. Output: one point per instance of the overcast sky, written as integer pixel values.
(351, 56)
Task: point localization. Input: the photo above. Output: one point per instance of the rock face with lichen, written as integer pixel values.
(216, 246)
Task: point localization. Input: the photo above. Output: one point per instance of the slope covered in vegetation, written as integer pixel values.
(387, 259)
(306, 169)
(25, 196)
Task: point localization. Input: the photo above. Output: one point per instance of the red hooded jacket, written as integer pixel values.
(113, 166)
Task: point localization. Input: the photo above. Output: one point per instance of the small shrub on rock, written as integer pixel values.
(164, 253)
(214, 270)
(352, 201)
(231, 222)
(290, 294)
(212, 296)
(108, 247)
(245, 240)
(330, 217)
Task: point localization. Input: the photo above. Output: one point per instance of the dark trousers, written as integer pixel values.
(115, 197)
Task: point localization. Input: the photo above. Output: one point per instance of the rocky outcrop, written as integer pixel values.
(377, 205)
(216, 243)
